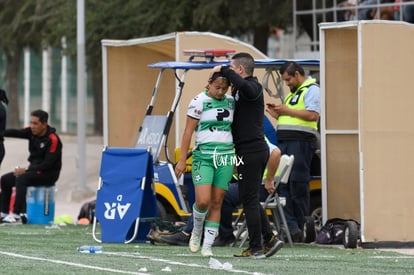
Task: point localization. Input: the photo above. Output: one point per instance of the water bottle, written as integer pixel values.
(90, 249)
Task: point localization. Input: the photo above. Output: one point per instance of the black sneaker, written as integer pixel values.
(272, 246)
(154, 236)
(23, 218)
(249, 253)
(179, 238)
(224, 241)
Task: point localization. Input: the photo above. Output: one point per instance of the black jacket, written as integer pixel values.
(45, 151)
(247, 127)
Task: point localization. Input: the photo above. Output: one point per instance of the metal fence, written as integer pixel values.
(322, 12)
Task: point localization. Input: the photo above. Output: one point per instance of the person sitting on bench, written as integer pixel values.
(45, 163)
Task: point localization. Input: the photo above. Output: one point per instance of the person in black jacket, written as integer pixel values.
(252, 152)
(45, 163)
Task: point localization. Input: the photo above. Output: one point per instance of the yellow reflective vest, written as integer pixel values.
(296, 101)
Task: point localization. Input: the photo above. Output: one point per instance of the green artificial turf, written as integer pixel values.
(40, 249)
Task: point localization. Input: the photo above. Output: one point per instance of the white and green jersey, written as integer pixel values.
(213, 132)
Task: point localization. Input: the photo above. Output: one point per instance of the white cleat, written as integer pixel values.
(194, 243)
(206, 252)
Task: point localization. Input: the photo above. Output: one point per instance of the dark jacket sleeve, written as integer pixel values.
(19, 133)
(3, 119)
(249, 89)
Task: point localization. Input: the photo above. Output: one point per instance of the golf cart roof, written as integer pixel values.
(307, 64)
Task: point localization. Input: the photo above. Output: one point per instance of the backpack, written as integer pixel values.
(87, 210)
(332, 232)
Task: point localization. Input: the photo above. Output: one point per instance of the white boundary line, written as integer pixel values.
(392, 257)
(71, 264)
(126, 255)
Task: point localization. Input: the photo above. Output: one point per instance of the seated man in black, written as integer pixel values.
(45, 163)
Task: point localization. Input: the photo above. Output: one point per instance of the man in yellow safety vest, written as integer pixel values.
(297, 133)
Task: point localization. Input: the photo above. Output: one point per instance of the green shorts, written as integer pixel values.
(207, 170)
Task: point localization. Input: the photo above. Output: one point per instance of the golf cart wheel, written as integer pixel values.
(317, 218)
(350, 238)
(309, 233)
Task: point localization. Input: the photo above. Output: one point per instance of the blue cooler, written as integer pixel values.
(40, 204)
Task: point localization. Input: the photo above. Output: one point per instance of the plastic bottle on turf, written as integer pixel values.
(90, 249)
